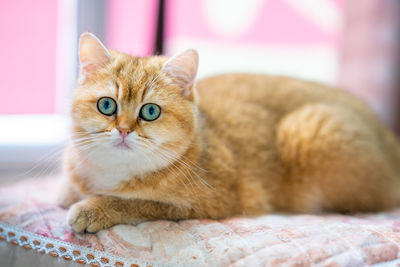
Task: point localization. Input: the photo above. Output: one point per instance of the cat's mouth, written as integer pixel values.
(122, 145)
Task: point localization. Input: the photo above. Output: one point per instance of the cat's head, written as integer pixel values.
(131, 110)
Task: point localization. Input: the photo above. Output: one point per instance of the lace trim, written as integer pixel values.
(66, 251)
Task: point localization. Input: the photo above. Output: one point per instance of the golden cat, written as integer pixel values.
(149, 143)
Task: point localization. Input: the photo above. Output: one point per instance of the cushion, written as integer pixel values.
(30, 220)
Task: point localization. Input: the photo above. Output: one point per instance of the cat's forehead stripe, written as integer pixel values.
(112, 87)
(119, 91)
(121, 69)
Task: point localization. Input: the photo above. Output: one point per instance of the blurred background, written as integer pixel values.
(352, 44)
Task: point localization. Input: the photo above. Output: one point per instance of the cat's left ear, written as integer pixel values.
(182, 68)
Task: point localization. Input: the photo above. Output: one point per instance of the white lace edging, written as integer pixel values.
(66, 251)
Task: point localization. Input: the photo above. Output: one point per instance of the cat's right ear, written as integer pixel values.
(182, 68)
(92, 55)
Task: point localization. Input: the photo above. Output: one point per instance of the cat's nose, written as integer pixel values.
(123, 132)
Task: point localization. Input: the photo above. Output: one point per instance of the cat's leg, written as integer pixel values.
(335, 160)
(101, 212)
(68, 193)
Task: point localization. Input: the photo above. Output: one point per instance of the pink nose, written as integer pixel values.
(123, 132)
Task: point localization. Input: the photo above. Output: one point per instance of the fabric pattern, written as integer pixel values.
(28, 209)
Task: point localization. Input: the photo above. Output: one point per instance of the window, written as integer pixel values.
(30, 113)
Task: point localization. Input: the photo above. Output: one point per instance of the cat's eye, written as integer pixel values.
(107, 106)
(150, 112)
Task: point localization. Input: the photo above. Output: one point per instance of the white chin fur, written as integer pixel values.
(117, 164)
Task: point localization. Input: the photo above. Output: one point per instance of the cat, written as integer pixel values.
(149, 143)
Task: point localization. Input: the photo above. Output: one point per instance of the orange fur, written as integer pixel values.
(243, 145)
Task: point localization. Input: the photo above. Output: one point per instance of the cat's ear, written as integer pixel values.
(92, 54)
(182, 68)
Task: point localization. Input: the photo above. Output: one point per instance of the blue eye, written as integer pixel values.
(150, 112)
(107, 106)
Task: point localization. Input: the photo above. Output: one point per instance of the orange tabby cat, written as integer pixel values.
(149, 143)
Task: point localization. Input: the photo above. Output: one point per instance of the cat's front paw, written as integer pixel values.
(86, 216)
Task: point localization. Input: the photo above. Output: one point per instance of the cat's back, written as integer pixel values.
(245, 109)
(278, 94)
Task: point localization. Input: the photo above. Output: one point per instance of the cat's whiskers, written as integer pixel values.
(85, 148)
(81, 134)
(82, 143)
(85, 140)
(169, 167)
(189, 179)
(188, 161)
(171, 159)
(170, 163)
(191, 171)
(88, 135)
(82, 151)
(46, 166)
(85, 144)
(188, 166)
(47, 159)
(80, 139)
(47, 162)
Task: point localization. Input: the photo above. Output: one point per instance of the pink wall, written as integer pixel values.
(274, 22)
(27, 53)
(131, 26)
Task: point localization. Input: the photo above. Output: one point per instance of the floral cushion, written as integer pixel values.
(30, 219)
